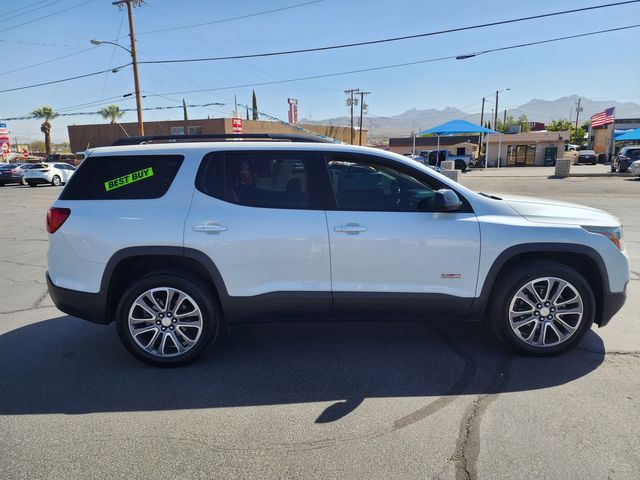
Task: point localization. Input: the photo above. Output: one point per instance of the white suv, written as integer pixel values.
(174, 240)
(48, 173)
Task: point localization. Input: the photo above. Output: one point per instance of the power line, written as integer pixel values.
(25, 6)
(392, 39)
(41, 44)
(181, 27)
(32, 10)
(313, 77)
(46, 61)
(50, 15)
(75, 114)
(405, 64)
(68, 79)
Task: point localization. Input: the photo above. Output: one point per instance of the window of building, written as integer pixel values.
(460, 151)
(177, 130)
(195, 130)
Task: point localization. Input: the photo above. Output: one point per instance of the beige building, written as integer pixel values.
(600, 137)
(82, 137)
(525, 149)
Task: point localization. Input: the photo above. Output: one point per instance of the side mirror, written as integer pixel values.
(446, 200)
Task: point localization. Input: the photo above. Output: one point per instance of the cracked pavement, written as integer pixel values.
(323, 400)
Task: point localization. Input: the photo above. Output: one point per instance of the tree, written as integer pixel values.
(522, 122)
(561, 125)
(45, 113)
(36, 146)
(112, 112)
(254, 106)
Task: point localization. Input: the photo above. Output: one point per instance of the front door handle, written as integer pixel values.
(210, 228)
(351, 228)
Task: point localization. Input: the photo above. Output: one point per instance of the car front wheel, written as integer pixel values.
(56, 181)
(167, 320)
(543, 308)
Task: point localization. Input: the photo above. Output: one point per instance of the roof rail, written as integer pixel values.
(278, 137)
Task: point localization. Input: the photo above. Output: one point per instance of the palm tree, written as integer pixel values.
(47, 113)
(112, 112)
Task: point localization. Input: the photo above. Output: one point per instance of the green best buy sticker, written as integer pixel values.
(129, 178)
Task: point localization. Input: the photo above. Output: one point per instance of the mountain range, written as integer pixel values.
(536, 110)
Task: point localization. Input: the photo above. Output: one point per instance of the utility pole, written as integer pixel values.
(350, 103)
(495, 112)
(482, 125)
(184, 110)
(134, 58)
(363, 106)
(578, 110)
(504, 120)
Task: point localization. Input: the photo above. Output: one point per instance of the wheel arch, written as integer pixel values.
(586, 260)
(129, 264)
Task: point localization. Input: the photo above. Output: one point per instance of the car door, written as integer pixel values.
(258, 216)
(391, 253)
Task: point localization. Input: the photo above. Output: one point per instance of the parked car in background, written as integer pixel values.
(9, 174)
(22, 169)
(586, 156)
(634, 169)
(69, 158)
(434, 158)
(51, 173)
(625, 158)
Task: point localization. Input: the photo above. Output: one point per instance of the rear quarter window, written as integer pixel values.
(126, 177)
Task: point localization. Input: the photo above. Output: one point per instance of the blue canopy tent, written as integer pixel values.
(628, 136)
(455, 127)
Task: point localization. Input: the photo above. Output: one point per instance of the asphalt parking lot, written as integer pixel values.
(363, 400)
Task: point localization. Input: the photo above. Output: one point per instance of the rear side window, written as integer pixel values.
(259, 179)
(127, 177)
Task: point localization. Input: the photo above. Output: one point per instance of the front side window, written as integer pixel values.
(360, 185)
(258, 179)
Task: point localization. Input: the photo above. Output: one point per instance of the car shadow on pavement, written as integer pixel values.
(65, 365)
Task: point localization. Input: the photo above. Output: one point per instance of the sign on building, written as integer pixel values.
(293, 110)
(236, 125)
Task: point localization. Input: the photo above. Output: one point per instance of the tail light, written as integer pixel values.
(622, 157)
(56, 217)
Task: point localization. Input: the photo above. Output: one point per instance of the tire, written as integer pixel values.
(546, 276)
(23, 182)
(33, 184)
(201, 328)
(56, 181)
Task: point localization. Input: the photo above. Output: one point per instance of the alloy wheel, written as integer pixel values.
(546, 312)
(165, 322)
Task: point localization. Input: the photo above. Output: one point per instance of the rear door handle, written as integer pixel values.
(350, 228)
(210, 228)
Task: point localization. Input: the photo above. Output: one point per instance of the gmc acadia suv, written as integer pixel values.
(173, 240)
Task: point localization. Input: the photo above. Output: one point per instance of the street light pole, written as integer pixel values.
(134, 60)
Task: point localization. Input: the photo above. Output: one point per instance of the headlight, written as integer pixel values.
(612, 233)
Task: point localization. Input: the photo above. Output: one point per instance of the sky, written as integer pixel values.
(35, 34)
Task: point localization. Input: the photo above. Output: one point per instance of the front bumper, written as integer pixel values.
(611, 304)
(86, 306)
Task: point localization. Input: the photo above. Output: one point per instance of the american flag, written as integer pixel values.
(603, 118)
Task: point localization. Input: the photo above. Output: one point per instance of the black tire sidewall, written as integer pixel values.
(517, 277)
(210, 317)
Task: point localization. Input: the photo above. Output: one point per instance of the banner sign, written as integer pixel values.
(236, 125)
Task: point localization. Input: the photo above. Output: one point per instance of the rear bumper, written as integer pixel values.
(611, 304)
(36, 180)
(86, 306)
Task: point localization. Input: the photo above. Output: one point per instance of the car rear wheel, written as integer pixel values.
(32, 184)
(167, 320)
(56, 181)
(542, 308)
